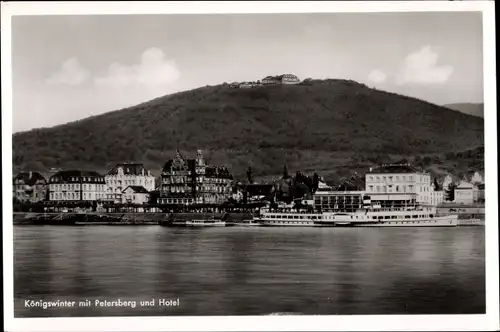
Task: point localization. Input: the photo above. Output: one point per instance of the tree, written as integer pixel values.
(436, 184)
(315, 182)
(450, 192)
(285, 173)
(249, 175)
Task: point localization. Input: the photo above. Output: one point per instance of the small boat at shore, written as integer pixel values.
(204, 223)
(212, 222)
(248, 223)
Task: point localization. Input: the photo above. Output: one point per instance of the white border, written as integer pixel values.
(489, 321)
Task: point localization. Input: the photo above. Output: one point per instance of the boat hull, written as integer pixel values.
(288, 224)
(437, 222)
(206, 225)
(248, 224)
(198, 224)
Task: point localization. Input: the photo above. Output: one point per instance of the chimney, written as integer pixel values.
(371, 169)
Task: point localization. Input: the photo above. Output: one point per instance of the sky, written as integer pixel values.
(66, 68)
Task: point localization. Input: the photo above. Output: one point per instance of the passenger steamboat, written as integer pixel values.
(425, 216)
(365, 217)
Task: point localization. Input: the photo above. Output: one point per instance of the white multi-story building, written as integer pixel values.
(75, 185)
(127, 174)
(477, 178)
(401, 180)
(464, 193)
(338, 201)
(437, 197)
(135, 195)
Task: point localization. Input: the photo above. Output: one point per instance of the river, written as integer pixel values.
(248, 271)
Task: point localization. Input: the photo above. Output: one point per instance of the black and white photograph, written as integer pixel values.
(250, 166)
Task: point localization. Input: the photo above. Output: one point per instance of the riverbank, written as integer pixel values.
(119, 218)
(465, 218)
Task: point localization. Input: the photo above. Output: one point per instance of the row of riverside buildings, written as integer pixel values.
(396, 185)
(183, 181)
(187, 181)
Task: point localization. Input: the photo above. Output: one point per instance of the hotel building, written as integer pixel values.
(191, 181)
(127, 174)
(400, 181)
(281, 79)
(75, 185)
(386, 187)
(29, 187)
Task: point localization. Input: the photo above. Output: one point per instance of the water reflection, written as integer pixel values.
(252, 271)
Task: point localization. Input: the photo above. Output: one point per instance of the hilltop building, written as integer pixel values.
(281, 79)
(29, 187)
(192, 181)
(76, 185)
(127, 174)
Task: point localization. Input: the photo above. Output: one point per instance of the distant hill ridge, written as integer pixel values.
(316, 125)
(475, 109)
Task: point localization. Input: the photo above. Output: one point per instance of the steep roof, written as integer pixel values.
(67, 176)
(190, 165)
(464, 185)
(179, 162)
(25, 177)
(129, 169)
(394, 168)
(138, 189)
(354, 183)
(259, 189)
(218, 172)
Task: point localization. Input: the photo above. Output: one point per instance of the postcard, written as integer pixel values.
(249, 166)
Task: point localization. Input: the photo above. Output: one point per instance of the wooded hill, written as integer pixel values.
(330, 126)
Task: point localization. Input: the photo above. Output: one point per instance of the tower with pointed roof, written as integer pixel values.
(190, 181)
